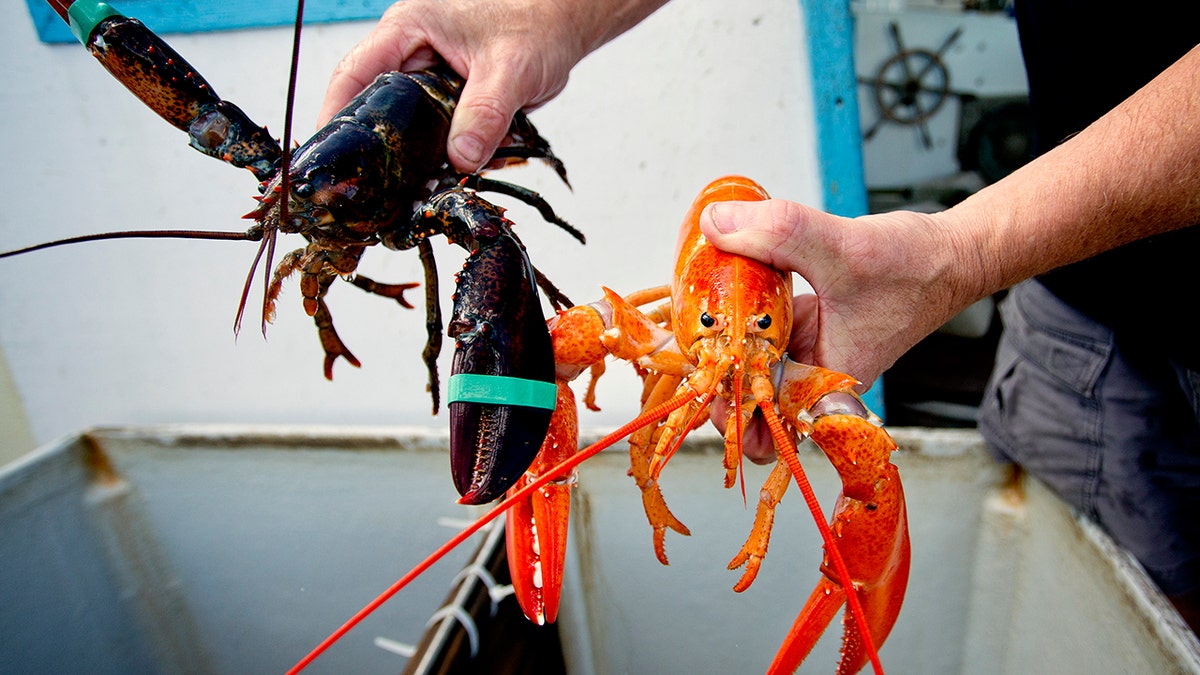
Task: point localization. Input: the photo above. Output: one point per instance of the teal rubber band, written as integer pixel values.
(85, 15)
(501, 390)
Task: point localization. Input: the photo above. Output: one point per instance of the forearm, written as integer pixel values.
(597, 22)
(1133, 173)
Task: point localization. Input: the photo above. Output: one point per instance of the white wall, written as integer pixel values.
(140, 332)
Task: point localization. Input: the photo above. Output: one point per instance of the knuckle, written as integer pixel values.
(782, 218)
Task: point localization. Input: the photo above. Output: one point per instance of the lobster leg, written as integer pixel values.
(755, 548)
(537, 524)
(528, 143)
(584, 335)
(331, 342)
(318, 269)
(433, 321)
(641, 449)
(287, 265)
(558, 300)
(393, 291)
(526, 195)
(638, 338)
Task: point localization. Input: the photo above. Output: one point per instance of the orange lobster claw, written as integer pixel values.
(537, 525)
(869, 522)
(536, 529)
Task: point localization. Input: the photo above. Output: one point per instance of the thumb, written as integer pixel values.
(767, 231)
(482, 118)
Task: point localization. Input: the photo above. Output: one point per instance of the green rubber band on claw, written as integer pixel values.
(85, 15)
(501, 390)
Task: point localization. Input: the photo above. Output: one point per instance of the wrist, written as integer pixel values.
(962, 261)
(981, 273)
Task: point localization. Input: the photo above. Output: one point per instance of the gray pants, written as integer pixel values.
(1114, 430)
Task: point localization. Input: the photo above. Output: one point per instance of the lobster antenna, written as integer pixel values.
(241, 310)
(253, 235)
(787, 450)
(285, 162)
(60, 7)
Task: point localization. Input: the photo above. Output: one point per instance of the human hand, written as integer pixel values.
(881, 283)
(512, 57)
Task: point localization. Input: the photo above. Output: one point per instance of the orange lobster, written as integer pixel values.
(723, 334)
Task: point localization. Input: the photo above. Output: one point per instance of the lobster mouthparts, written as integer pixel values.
(503, 371)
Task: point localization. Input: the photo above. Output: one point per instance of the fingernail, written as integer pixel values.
(720, 223)
(469, 148)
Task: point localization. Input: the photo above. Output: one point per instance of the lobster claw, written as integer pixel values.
(502, 391)
(172, 88)
(536, 531)
(869, 522)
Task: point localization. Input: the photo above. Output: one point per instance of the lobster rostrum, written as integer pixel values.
(722, 333)
(377, 174)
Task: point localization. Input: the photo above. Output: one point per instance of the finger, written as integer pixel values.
(803, 342)
(768, 231)
(483, 116)
(342, 88)
(757, 444)
(385, 49)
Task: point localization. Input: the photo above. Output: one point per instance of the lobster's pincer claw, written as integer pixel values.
(492, 440)
(536, 529)
(869, 521)
(502, 391)
(154, 72)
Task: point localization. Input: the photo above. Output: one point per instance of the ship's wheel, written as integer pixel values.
(911, 86)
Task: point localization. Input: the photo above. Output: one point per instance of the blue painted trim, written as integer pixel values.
(830, 26)
(196, 16)
(831, 55)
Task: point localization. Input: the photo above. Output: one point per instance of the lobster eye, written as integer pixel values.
(764, 322)
(302, 189)
(707, 320)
